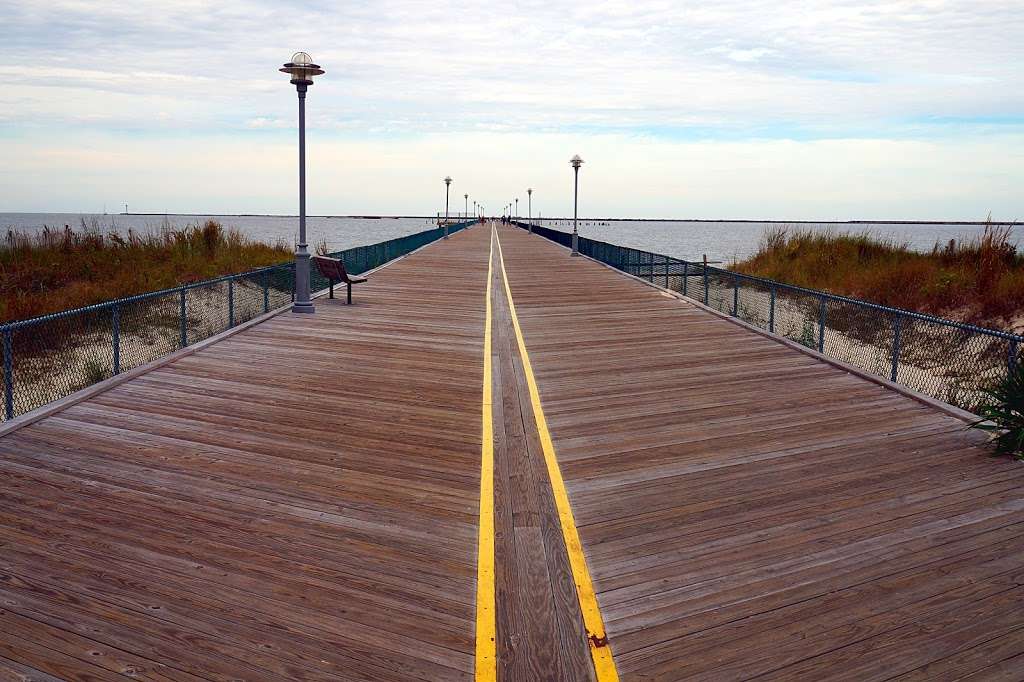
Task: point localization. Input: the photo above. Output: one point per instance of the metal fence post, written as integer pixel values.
(116, 334)
(666, 273)
(771, 310)
(8, 374)
(735, 296)
(1011, 362)
(686, 276)
(184, 321)
(231, 303)
(266, 292)
(821, 326)
(897, 328)
(706, 279)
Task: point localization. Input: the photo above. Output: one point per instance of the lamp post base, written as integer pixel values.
(303, 308)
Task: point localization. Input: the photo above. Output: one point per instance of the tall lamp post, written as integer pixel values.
(529, 208)
(447, 184)
(302, 69)
(576, 162)
(517, 207)
(466, 197)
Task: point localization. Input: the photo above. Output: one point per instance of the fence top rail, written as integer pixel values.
(924, 317)
(107, 305)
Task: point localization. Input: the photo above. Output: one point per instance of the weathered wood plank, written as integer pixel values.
(747, 509)
(296, 501)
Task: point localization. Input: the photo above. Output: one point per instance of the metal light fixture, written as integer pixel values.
(576, 162)
(302, 69)
(447, 184)
(529, 209)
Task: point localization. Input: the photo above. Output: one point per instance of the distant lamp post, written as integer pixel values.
(517, 207)
(576, 162)
(447, 184)
(466, 212)
(302, 69)
(529, 209)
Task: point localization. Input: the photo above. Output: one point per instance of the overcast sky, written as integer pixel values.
(734, 108)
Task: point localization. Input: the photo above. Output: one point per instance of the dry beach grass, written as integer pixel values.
(980, 280)
(59, 269)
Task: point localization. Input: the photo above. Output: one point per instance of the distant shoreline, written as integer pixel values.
(589, 219)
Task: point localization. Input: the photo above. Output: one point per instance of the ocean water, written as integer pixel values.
(731, 241)
(339, 233)
(722, 241)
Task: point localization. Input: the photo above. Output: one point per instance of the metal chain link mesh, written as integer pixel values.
(48, 358)
(948, 360)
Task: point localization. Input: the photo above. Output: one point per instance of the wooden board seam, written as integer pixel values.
(32, 416)
(597, 637)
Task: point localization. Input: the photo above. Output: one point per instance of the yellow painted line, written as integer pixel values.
(597, 638)
(486, 629)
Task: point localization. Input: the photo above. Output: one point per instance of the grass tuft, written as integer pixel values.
(58, 269)
(980, 280)
(1002, 414)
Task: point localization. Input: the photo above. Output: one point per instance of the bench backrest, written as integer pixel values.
(331, 268)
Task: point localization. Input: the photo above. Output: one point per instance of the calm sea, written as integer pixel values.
(723, 241)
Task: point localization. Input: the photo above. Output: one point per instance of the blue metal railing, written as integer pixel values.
(948, 360)
(50, 357)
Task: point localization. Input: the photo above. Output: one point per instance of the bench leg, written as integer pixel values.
(332, 288)
(350, 294)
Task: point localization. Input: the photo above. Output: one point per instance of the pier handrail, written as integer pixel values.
(49, 357)
(949, 360)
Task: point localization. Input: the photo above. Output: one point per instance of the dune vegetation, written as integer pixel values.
(58, 269)
(980, 280)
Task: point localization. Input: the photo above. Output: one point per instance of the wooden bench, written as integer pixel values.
(334, 270)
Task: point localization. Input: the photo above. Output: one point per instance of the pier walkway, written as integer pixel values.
(506, 463)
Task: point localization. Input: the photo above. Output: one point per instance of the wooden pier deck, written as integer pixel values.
(666, 495)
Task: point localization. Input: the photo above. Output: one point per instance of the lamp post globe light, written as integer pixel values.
(302, 69)
(575, 162)
(447, 184)
(529, 209)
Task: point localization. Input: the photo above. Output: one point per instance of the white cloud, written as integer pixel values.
(159, 78)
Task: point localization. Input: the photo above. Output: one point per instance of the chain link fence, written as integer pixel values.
(48, 358)
(948, 360)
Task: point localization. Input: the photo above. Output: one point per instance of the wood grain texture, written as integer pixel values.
(539, 623)
(749, 511)
(300, 500)
(297, 501)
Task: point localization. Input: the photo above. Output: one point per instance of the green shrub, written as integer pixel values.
(1002, 414)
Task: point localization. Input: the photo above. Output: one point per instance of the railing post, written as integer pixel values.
(116, 334)
(706, 299)
(686, 276)
(771, 309)
(266, 291)
(184, 320)
(8, 373)
(897, 328)
(666, 272)
(1012, 360)
(231, 303)
(821, 325)
(735, 295)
